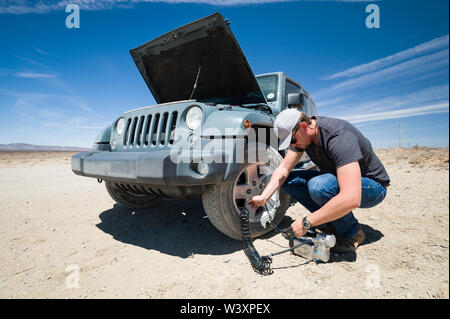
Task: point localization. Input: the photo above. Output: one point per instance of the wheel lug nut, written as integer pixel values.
(249, 191)
(254, 183)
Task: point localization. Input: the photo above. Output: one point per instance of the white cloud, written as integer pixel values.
(41, 51)
(33, 62)
(56, 119)
(408, 71)
(442, 107)
(46, 105)
(46, 6)
(428, 95)
(332, 101)
(418, 65)
(34, 75)
(90, 127)
(427, 47)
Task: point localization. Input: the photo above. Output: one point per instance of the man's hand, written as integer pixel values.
(297, 228)
(278, 177)
(257, 201)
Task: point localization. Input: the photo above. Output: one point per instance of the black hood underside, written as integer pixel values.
(204, 51)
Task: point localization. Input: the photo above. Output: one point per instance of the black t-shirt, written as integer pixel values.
(340, 143)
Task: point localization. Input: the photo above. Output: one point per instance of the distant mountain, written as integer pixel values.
(31, 147)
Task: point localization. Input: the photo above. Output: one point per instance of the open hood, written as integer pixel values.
(204, 51)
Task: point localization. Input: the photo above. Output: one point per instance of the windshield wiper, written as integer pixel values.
(259, 106)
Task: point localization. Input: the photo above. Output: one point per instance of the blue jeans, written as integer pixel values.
(314, 189)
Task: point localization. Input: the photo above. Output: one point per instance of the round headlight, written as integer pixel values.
(120, 125)
(194, 117)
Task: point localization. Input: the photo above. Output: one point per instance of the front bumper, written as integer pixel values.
(163, 168)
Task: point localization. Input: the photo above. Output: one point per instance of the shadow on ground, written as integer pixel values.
(177, 227)
(181, 228)
(372, 235)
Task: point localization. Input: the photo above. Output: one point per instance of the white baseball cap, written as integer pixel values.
(284, 124)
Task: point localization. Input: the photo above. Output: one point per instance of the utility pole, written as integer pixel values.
(399, 136)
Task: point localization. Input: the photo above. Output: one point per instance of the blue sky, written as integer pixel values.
(60, 86)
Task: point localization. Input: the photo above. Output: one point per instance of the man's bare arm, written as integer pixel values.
(348, 198)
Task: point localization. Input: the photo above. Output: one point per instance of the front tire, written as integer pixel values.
(222, 202)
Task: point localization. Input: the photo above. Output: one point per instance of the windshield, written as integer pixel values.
(269, 86)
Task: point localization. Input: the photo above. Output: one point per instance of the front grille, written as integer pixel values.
(151, 130)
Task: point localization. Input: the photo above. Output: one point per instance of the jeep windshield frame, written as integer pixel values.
(269, 86)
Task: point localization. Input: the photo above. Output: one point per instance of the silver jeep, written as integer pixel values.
(209, 136)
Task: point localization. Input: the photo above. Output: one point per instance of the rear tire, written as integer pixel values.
(130, 199)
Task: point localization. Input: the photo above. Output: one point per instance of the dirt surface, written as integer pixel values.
(62, 236)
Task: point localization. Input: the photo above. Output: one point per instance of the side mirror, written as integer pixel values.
(296, 100)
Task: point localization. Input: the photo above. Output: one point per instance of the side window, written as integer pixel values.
(308, 107)
(291, 88)
(313, 108)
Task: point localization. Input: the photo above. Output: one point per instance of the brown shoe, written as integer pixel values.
(349, 245)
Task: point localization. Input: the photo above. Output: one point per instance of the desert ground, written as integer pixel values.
(62, 236)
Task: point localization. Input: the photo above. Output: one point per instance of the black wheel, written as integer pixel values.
(223, 201)
(131, 199)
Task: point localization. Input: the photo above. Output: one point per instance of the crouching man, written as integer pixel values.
(351, 175)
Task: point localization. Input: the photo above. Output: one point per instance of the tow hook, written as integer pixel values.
(99, 180)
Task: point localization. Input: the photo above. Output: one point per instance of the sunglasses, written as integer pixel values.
(294, 132)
